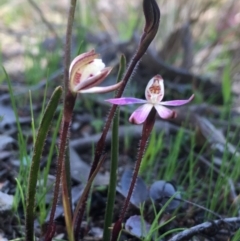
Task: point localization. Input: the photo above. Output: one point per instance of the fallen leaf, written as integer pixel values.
(80, 170)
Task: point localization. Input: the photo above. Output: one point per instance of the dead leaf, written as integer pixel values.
(6, 201)
(6, 142)
(80, 170)
(8, 120)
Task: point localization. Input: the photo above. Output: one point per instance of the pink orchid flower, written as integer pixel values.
(154, 93)
(86, 71)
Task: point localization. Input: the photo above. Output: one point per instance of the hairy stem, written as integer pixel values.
(69, 102)
(152, 17)
(101, 142)
(146, 131)
(67, 116)
(83, 199)
(67, 50)
(150, 30)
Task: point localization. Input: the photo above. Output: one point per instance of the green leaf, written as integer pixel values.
(37, 153)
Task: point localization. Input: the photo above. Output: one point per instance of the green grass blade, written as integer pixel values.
(23, 156)
(226, 84)
(21, 193)
(37, 152)
(32, 118)
(13, 105)
(114, 163)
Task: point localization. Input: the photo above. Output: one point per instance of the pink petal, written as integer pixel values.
(165, 113)
(176, 102)
(140, 114)
(92, 81)
(101, 89)
(126, 101)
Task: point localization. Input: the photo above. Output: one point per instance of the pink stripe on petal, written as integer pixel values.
(83, 59)
(165, 113)
(140, 114)
(126, 101)
(101, 89)
(93, 80)
(176, 102)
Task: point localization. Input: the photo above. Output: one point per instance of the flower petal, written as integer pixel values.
(78, 64)
(177, 102)
(83, 58)
(140, 114)
(126, 101)
(92, 81)
(101, 89)
(92, 68)
(165, 113)
(154, 91)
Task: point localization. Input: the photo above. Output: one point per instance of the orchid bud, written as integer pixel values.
(152, 20)
(152, 15)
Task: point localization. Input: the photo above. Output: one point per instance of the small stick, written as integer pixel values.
(202, 228)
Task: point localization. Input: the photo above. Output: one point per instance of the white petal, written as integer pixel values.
(93, 80)
(101, 89)
(92, 69)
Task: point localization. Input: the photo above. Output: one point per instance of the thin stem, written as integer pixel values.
(113, 180)
(67, 115)
(83, 199)
(113, 165)
(146, 131)
(101, 142)
(152, 17)
(68, 43)
(69, 102)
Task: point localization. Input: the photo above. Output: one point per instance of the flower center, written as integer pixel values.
(154, 98)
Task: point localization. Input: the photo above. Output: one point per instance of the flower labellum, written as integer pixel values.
(154, 94)
(86, 71)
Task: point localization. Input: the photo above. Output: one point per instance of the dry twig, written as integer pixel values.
(206, 228)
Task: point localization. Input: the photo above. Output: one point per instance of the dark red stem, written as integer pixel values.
(146, 131)
(150, 30)
(67, 116)
(101, 143)
(152, 17)
(69, 102)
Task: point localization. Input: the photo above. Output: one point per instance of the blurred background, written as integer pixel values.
(196, 50)
(200, 36)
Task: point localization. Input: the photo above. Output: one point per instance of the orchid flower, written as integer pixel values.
(86, 71)
(154, 94)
